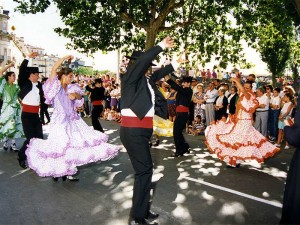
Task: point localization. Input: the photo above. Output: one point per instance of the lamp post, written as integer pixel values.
(45, 58)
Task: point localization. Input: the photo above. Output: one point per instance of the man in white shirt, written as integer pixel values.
(30, 95)
(262, 112)
(210, 97)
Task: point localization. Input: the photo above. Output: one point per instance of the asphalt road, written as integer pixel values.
(194, 189)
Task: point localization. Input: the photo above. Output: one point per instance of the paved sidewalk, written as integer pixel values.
(194, 189)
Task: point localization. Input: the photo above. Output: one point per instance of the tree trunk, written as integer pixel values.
(274, 82)
(151, 34)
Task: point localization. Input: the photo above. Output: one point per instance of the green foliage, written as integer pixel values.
(206, 28)
(84, 70)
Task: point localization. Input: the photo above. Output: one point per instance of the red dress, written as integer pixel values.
(238, 139)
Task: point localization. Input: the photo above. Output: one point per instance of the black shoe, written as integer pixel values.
(152, 215)
(71, 178)
(176, 155)
(141, 222)
(232, 167)
(55, 179)
(22, 163)
(156, 143)
(64, 178)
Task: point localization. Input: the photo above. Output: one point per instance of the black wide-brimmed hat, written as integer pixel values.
(135, 55)
(186, 79)
(32, 70)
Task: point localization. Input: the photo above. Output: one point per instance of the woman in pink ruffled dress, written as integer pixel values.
(237, 140)
(71, 142)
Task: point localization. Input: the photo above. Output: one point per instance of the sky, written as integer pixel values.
(38, 30)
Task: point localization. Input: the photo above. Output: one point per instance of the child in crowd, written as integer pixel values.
(111, 116)
(285, 114)
(197, 127)
(105, 113)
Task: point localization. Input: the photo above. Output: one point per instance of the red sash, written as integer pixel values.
(97, 102)
(182, 108)
(128, 121)
(30, 108)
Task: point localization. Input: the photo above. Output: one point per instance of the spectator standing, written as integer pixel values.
(262, 112)
(274, 114)
(210, 97)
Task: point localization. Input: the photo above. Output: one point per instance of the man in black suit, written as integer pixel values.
(97, 97)
(137, 109)
(183, 101)
(30, 96)
(291, 198)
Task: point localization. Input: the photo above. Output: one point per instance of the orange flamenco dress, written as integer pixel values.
(237, 140)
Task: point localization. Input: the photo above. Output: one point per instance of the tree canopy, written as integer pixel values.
(207, 28)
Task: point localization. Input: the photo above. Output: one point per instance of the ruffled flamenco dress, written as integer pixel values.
(162, 127)
(236, 139)
(71, 142)
(10, 115)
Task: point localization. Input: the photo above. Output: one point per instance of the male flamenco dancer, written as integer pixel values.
(30, 96)
(137, 109)
(97, 97)
(183, 101)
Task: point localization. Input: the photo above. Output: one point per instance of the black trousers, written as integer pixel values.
(32, 127)
(135, 140)
(96, 112)
(291, 198)
(44, 112)
(179, 126)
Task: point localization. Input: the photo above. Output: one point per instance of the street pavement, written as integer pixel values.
(195, 189)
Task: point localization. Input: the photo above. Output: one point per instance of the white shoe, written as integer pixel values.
(5, 145)
(13, 147)
(277, 145)
(287, 147)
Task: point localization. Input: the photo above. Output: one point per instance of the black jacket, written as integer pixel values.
(97, 93)
(25, 84)
(134, 87)
(232, 103)
(184, 95)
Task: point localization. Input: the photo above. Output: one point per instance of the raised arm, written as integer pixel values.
(240, 87)
(12, 64)
(141, 65)
(57, 65)
(23, 75)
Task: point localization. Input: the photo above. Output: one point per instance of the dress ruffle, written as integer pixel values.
(162, 127)
(68, 146)
(238, 139)
(51, 89)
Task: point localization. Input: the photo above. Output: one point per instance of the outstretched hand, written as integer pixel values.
(181, 59)
(33, 54)
(169, 42)
(69, 58)
(12, 64)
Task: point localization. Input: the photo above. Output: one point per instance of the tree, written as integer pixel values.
(295, 60)
(269, 26)
(203, 26)
(84, 70)
(275, 49)
(208, 28)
